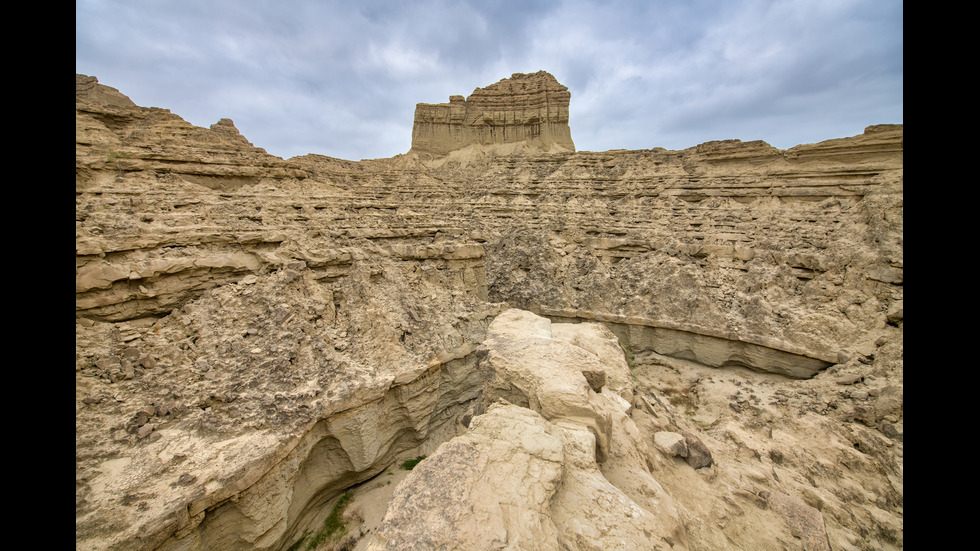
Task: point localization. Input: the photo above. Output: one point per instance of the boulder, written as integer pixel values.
(671, 444)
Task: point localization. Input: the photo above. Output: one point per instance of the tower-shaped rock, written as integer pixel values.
(526, 108)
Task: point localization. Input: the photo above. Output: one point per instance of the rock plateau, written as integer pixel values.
(630, 349)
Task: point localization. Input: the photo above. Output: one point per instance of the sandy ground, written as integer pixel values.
(817, 440)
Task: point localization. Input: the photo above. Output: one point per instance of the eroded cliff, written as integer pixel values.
(256, 336)
(525, 111)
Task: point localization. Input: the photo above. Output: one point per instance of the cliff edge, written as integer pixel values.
(525, 109)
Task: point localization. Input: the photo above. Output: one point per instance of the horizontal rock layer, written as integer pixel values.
(763, 254)
(244, 320)
(531, 109)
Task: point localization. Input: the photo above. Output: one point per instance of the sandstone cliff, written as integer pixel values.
(256, 337)
(529, 110)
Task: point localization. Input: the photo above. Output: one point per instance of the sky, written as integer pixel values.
(342, 78)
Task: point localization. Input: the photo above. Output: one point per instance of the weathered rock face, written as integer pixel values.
(88, 90)
(114, 137)
(530, 110)
(256, 336)
(542, 469)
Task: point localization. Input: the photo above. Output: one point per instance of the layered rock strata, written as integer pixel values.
(544, 467)
(530, 110)
(229, 423)
(256, 336)
(115, 137)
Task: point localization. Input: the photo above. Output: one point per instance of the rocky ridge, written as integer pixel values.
(256, 336)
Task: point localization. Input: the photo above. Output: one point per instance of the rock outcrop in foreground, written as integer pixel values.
(650, 349)
(555, 462)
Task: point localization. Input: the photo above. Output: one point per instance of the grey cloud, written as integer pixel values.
(342, 78)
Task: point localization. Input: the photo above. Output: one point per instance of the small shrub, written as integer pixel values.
(630, 360)
(680, 397)
(410, 464)
(333, 526)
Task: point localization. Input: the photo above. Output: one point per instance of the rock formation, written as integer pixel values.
(650, 349)
(526, 110)
(552, 464)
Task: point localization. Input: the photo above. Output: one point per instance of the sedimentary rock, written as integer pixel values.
(671, 443)
(115, 137)
(257, 336)
(698, 455)
(296, 394)
(88, 90)
(805, 522)
(530, 110)
(541, 469)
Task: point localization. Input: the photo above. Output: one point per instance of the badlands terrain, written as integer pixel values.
(630, 349)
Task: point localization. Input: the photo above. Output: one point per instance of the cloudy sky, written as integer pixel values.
(341, 78)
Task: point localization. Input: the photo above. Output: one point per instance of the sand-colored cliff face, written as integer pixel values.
(254, 336)
(526, 109)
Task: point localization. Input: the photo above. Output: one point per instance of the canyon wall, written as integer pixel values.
(254, 336)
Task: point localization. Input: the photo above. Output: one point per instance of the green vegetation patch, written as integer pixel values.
(410, 464)
(630, 360)
(333, 526)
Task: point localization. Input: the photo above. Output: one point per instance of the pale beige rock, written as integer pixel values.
(491, 488)
(528, 109)
(805, 522)
(87, 88)
(520, 480)
(298, 326)
(671, 443)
